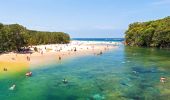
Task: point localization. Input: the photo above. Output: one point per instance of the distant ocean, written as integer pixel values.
(100, 39)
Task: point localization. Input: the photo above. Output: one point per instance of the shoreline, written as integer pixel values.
(15, 62)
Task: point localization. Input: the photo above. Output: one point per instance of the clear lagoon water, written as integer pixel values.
(127, 73)
(100, 39)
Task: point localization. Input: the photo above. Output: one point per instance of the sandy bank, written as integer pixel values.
(47, 53)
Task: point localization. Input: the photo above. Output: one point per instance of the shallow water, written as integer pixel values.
(122, 74)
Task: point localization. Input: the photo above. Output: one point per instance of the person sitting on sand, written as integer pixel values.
(13, 58)
(5, 69)
(75, 49)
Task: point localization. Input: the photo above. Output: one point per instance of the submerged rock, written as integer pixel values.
(123, 62)
(124, 84)
(144, 70)
(97, 97)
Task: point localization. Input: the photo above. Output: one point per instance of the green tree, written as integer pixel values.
(149, 34)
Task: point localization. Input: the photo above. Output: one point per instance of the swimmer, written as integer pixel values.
(12, 87)
(162, 79)
(28, 74)
(65, 81)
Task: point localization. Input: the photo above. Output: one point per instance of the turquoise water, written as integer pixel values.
(123, 74)
(100, 39)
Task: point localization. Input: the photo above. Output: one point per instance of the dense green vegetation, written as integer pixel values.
(15, 36)
(149, 34)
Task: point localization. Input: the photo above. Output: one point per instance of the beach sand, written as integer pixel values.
(12, 67)
(14, 62)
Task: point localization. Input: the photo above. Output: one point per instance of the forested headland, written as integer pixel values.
(15, 36)
(149, 34)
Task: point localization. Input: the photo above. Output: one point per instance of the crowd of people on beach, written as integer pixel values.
(60, 50)
(64, 49)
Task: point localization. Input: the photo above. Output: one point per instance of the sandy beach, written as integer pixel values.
(45, 53)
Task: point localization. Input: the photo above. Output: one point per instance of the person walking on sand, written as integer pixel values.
(28, 58)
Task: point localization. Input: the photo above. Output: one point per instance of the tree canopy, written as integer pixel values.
(149, 34)
(15, 36)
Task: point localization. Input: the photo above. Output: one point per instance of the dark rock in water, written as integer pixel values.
(72, 97)
(144, 70)
(132, 96)
(71, 85)
(85, 75)
(134, 72)
(124, 84)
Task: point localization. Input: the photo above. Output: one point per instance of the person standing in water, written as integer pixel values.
(59, 57)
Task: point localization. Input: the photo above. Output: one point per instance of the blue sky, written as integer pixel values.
(82, 18)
